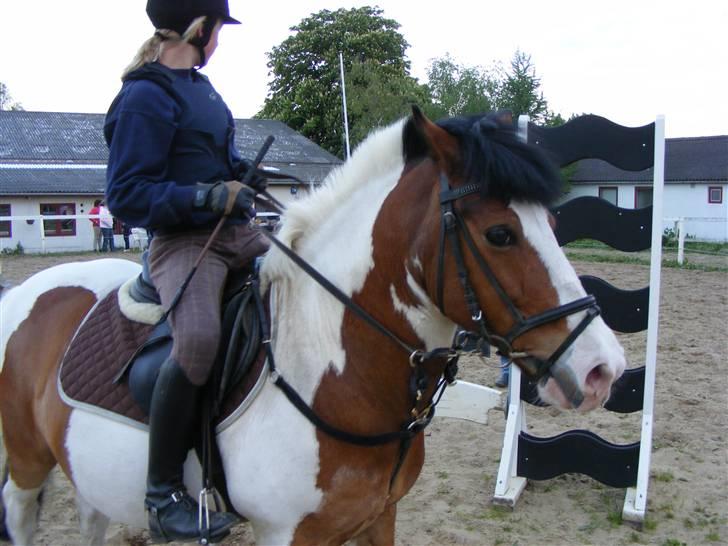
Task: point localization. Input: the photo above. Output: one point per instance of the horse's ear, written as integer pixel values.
(504, 117)
(422, 138)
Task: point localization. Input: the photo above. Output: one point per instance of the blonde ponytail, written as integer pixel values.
(150, 49)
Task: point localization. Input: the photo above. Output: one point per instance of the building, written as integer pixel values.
(696, 182)
(53, 165)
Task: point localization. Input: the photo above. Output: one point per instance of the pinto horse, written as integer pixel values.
(428, 228)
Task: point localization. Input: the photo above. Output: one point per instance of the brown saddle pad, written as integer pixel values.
(102, 346)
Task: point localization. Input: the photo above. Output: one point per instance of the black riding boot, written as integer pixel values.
(173, 514)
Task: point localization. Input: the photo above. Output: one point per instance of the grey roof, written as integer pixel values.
(687, 160)
(70, 140)
(52, 181)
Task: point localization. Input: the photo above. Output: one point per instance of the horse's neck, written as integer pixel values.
(309, 327)
(307, 319)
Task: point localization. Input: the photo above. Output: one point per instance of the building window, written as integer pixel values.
(642, 197)
(6, 229)
(715, 194)
(608, 193)
(58, 227)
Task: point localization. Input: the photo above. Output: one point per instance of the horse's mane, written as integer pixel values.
(495, 158)
(378, 155)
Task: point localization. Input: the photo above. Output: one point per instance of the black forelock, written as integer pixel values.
(504, 166)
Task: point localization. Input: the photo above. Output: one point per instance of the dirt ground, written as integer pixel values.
(451, 502)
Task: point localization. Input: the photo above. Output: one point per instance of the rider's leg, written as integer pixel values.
(173, 420)
(173, 515)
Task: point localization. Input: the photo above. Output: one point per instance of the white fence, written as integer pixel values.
(682, 227)
(30, 232)
(34, 235)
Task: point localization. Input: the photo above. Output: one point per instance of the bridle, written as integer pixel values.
(453, 226)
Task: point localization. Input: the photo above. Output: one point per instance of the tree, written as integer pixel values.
(6, 100)
(305, 91)
(459, 90)
(520, 90)
(375, 98)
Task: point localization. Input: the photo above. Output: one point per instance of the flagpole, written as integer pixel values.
(343, 100)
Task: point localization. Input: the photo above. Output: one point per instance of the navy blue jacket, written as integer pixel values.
(167, 130)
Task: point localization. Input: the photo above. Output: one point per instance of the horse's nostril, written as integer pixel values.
(598, 379)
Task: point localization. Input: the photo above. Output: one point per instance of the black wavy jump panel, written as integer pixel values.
(586, 137)
(624, 311)
(591, 217)
(628, 392)
(580, 452)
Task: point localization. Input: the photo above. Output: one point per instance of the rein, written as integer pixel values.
(453, 225)
(418, 419)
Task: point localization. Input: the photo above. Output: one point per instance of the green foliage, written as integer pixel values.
(305, 92)
(305, 89)
(669, 238)
(376, 98)
(460, 90)
(6, 100)
(520, 90)
(19, 250)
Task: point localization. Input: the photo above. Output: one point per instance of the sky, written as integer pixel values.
(627, 60)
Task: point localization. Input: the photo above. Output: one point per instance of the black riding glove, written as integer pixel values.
(229, 198)
(257, 182)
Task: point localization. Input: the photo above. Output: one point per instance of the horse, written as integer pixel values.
(428, 229)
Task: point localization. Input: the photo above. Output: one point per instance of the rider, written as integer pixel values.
(172, 167)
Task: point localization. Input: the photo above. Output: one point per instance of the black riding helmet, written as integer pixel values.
(177, 15)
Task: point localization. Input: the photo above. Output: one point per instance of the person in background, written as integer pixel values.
(95, 225)
(106, 221)
(126, 232)
(505, 373)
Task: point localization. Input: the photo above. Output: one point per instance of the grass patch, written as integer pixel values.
(666, 477)
(614, 518)
(634, 260)
(497, 513)
(712, 537)
(720, 249)
(673, 542)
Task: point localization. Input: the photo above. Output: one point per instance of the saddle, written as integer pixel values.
(112, 362)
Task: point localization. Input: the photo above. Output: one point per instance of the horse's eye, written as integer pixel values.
(500, 236)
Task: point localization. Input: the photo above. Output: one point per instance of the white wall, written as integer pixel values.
(703, 220)
(30, 236)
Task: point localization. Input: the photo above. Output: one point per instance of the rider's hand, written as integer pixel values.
(257, 182)
(229, 198)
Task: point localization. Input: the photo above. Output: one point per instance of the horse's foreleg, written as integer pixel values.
(21, 511)
(381, 531)
(28, 470)
(93, 522)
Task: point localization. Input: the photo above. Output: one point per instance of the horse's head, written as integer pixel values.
(486, 255)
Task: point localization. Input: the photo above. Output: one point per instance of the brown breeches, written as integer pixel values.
(195, 321)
